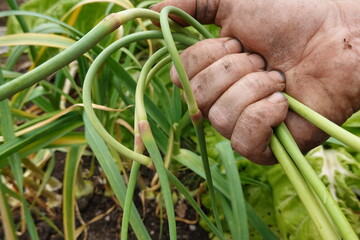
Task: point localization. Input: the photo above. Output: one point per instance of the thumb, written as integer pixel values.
(202, 10)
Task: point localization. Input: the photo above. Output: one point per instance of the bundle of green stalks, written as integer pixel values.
(103, 90)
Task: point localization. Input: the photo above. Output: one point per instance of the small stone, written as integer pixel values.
(192, 227)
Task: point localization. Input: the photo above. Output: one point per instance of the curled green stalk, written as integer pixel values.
(316, 184)
(320, 219)
(149, 141)
(99, 61)
(324, 124)
(163, 62)
(100, 31)
(147, 72)
(90, 76)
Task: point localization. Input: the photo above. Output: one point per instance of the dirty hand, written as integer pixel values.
(314, 43)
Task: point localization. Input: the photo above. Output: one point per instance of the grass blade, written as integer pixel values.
(112, 173)
(7, 130)
(71, 168)
(70, 139)
(193, 162)
(128, 199)
(192, 202)
(236, 193)
(229, 215)
(46, 176)
(39, 15)
(6, 216)
(35, 140)
(41, 39)
(259, 225)
(13, 5)
(199, 129)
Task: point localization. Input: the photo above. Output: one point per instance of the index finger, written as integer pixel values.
(202, 10)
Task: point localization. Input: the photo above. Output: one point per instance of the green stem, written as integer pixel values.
(188, 18)
(199, 128)
(184, 121)
(194, 111)
(154, 152)
(324, 124)
(312, 205)
(149, 141)
(165, 27)
(14, 6)
(316, 184)
(162, 63)
(91, 74)
(139, 148)
(106, 26)
(128, 199)
(193, 203)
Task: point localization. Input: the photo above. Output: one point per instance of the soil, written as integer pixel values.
(109, 213)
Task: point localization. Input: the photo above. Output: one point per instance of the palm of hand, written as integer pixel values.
(310, 42)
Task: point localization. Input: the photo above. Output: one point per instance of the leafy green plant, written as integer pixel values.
(104, 86)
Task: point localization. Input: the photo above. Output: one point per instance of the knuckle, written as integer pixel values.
(255, 81)
(219, 120)
(259, 82)
(235, 63)
(206, 14)
(243, 149)
(256, 61)
(256, 116)
(196, 52)
(200, 97)
(232, 45)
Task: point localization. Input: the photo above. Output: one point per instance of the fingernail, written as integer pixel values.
(277, 98)
(233, 45)
(277, 75)
(257, 60)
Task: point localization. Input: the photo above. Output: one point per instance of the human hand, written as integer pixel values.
(313, 42)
